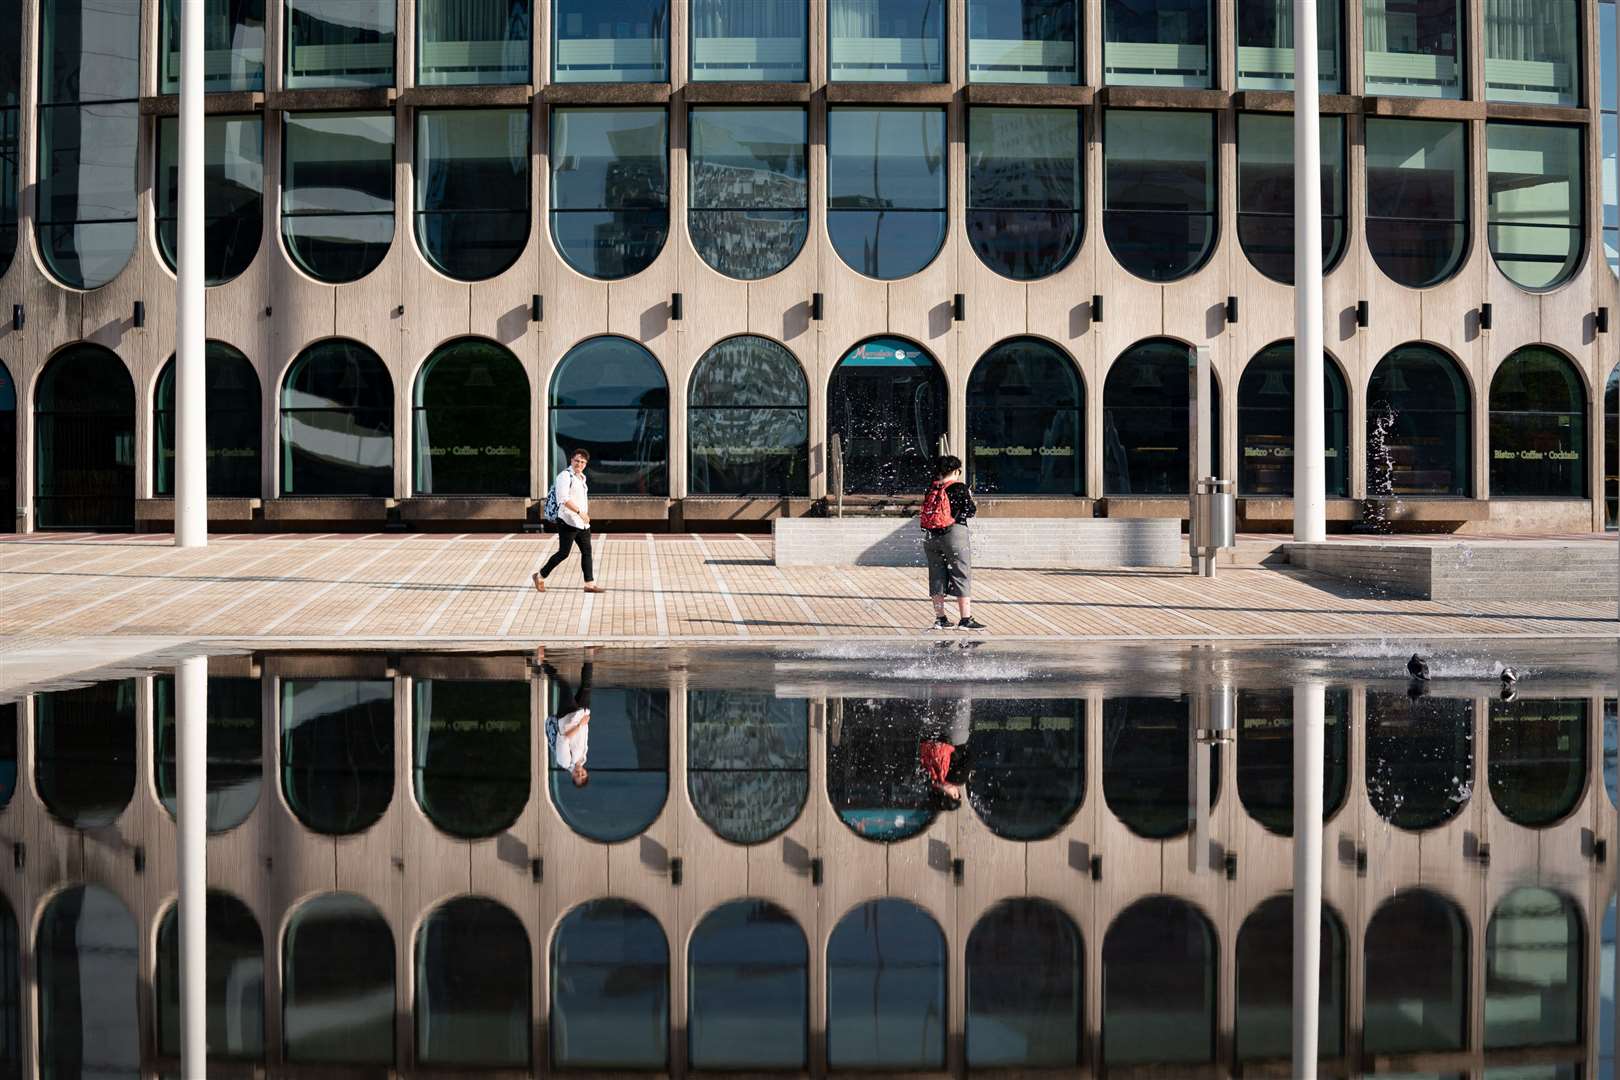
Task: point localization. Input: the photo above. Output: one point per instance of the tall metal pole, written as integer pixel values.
(1310, 473)
(1309, 719)
(190, 385)
(191, 719)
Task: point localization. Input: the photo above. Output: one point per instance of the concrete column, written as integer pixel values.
(191, 715)
(1309, 719)
(1310, 473)
(191, 348)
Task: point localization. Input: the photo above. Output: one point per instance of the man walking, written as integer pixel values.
(568, 506)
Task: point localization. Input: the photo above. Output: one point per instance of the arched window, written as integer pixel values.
(1265, 756)
(10, 130)
(337, 984)
(472, 189)
(1536, 198)
(89, 126)
(1419, 426)
(1024, 41)
(235, 748)
(1416, 976)
(84, 442)
(1159, 977)
(1535, 963)
(748, 990)
(1029, 764)
(886, 989)
(1159, 171)
(886, 41)
(470, 422)
(8, 447)
(1146, 447)
(609, 988)
(748, 761)
(609, 187)
(1413, 48)
(1611, 447)
(473, 972)
(1538, 426)
(1026, 189)
(1146, 770)
(1265, 982)
(1538, 758)
(1025, 987)
(1533, 55)
(1420, 758)
(84, 752)
(473, 42)
(87, 963)
(336, 43)
(8, 752)
(1163, 43)
(235, 974)
(750, 40)
(886, 177)
(337, 191)
(1265, 46)
(886, 405)
(1266, 192)
(1417, 198)
(610, 41)
(233, 46)
(337, 752)
(235, 425)
(875, 779)
(748, 415)
(11, 994)
(628, 762)
(337, 422)
(609, 396)
(750, 188)
(1026, 410)
(1265, 408)
(470, 743)
(233, 193)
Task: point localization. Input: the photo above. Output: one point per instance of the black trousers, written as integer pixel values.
(567, 537)
(569, 699)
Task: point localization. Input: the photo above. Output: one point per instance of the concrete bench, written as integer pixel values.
(998, 543)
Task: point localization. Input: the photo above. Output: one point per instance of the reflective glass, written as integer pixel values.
(234, 425)
(1028, 764)
(1417, 198)
(1148, 775)
(625, 746)
(10, 131)
(1609, 138)
(11, 995)
(1536, 194)
(339, 43)
(875, 778)
(1265, 981)
(472, 189)
(337, 198)
(749, 421)
(233, 46)
(337, 752)
(1532, 51)
(8, 759)
(609, 41)
(886, 176)
(1159, 190)
(234, 995)
(1265, 756)
(1025, 986)
(1611, 447)
(337, 984)
(337, 423)
(1024, 41)
(1266, 426)
(749, 989)
(233, 193)
(1538, 426)
(609, 188)
(1025, 189)
(87, 963)
(1420, 758)
(750, 206)
(886, 989)
(1413, 48)
(473, 42)
(1535, 960)
(473, 973)
(1146, 445)
(1159, 969)
(1537, 758)
(1265, 45)
(609, 989)
(1156, 43)
(886, 40)
(470, 422)
(84, 752)
(1611, 748)
(1266, 192)
(84, 442)
(235, 748)
(886, 404)
(609, 395)
(1026, 421)
(1419, 429)
(1416, 976)
(750, 40)
(748, 761)
(471, 748)
(8, 450)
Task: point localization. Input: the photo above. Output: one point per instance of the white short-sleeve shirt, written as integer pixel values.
(572, 488)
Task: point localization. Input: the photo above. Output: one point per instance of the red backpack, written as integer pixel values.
(936, 509)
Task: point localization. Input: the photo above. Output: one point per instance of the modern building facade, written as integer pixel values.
(751, 253)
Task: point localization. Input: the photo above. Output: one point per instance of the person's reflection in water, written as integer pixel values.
(943, 751)
(568, 731)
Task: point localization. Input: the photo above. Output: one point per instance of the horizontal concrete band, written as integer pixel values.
(1532, 570)
(1004, 544)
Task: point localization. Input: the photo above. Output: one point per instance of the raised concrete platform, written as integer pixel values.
(1510, 570)
(998, 543)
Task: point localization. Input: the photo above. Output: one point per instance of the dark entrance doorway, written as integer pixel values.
(84, 442)
(887, 406)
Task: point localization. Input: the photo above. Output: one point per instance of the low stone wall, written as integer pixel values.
(1517, 570)
(998, 543)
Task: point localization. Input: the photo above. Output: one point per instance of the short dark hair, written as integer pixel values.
(946, 464)
(580, 451)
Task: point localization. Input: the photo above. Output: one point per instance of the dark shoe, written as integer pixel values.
(970, 623)
(941, 623)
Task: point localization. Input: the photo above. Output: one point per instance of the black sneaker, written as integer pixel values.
(941, 623)
(970, 623)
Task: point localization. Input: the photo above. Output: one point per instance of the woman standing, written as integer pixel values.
(946, 510)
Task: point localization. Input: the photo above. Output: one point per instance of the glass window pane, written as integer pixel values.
(473, 42)
(1159, 191)
(610, 41)
(1147, 772)
(89, 51)
(1538, 758)
(84, 441)
(234, 996)
(1416, 975)
(1419, 428)
(609, 395)
(750, 40)
(233, 46)
(1265, 46)
(1156, 43)
(233, 193)
(84, 752)
(339, 43)
(1026, 421)
(748, 761)
(337, 752)
(11, 67)
(1266, 192)
(875, 777)
(609, 989)
(471, 749)
(472, 189)
(1611, 447)
(337, 196)
(1420, 758)
(470, 422)
(85, 216)
(1534, 970)
(473, 973)
(1266, 426)
(749, 422)
(609, 188)
(1531, 52)
(886, 989)
(1412, 48)
(235, 748)
(886, 404)
(1417, 198)
(8, 757)
(337, 423)
(11, 994)
(1024, 41)
(337, 990)
(1536, 193)
(749, 992)
(886, 176)
(749, 188)
(1159, 962)
(1265, 750)
(886, 41)
(1538, 426)
(1025, 986)
(1028, 765)
(1147, 449)
(87, 961)
(234, 427)
(1025, 189)
(1265, 981)
(10, 172)
(614, 789)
